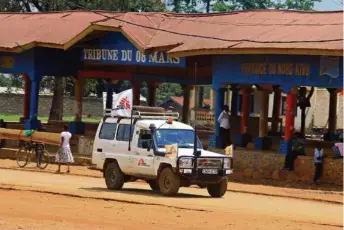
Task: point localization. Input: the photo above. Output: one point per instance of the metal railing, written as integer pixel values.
(149, 113)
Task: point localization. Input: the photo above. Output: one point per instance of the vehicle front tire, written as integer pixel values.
(169, 182)
(219, 189)
(154, 185)
(114, 177)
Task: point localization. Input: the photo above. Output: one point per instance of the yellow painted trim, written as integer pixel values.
(116, 29)
(126, 35)
(78, 37)
(48, 45)
(316, 52)
(105, 28)
(136, 44)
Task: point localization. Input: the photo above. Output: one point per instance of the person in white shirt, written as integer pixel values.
(225, 131)
(64, 155)
(318, 163)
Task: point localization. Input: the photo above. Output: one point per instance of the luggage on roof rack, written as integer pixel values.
(144, 112)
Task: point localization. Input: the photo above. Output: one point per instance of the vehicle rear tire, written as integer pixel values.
(22, 156)
(169, 182)
(154, 185)
(114, 177)
(219, 189)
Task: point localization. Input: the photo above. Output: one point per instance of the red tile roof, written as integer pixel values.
(262, 31)
(180, 100)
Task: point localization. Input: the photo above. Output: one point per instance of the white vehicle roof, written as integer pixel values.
(145, 123)
(162, 124)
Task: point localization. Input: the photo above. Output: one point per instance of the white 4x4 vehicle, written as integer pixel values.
(131, 148)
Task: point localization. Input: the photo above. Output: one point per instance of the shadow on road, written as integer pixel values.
(143, 192)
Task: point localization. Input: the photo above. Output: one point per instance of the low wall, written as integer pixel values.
(92, 106)
(255, 165)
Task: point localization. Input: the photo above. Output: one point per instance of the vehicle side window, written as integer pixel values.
(123, 132)
(145, 139)
(108, 131)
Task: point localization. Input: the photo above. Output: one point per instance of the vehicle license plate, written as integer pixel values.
(209, 171)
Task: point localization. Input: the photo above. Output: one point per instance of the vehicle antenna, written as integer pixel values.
(195, 136)
(131, 129)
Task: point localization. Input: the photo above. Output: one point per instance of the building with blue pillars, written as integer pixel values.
(273, 59)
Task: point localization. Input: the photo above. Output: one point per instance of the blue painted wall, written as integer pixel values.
(22, 62)
(115, 48)
(40, 62)
(228, 69)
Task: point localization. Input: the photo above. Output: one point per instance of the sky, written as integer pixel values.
(329, 5)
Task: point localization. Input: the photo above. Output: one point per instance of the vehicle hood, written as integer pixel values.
(190, 152)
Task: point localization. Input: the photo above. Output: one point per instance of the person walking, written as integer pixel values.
(318, 163)
(64, 155)
(225, 131)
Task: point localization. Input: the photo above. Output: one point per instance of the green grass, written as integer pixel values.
(15, 118)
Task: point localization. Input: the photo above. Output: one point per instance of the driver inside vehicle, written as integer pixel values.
(145, 140)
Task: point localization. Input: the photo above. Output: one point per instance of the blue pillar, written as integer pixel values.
(33, 122)
(219, 103)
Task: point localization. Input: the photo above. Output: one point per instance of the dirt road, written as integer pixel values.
(32, 200)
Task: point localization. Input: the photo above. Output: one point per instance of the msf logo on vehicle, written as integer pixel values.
(142, 162)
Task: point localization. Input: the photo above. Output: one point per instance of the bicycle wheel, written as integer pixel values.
(22, 156)
(44, 160)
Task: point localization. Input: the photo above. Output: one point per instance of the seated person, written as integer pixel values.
(337, 148)
(299, 145)
(297, 150)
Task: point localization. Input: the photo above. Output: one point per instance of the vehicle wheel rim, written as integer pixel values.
(167, 182)
(112, 176)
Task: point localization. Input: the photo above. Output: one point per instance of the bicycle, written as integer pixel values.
(30, 150)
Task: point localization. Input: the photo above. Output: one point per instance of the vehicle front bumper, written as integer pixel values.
(196, 176)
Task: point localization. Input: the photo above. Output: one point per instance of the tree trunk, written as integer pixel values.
(208, 6)
(56, 110)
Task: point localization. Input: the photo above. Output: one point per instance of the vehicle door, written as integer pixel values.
(104, 142)
(125, 157)
(143, 162)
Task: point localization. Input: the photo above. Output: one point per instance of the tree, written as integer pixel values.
(166, 90)
(299, 4)
(4, 81)
(56, 113)
(230, 5)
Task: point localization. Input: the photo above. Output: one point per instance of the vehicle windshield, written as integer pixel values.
(184, 138)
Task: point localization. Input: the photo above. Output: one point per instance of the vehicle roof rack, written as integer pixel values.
(143, 112)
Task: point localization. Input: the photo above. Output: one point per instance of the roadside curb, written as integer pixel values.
(229, 190)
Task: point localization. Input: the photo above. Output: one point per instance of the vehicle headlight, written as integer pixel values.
(185, 163)
(226, 163)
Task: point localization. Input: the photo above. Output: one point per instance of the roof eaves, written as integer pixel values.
(286, 51)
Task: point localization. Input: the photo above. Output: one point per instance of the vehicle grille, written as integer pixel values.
(206, 163)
